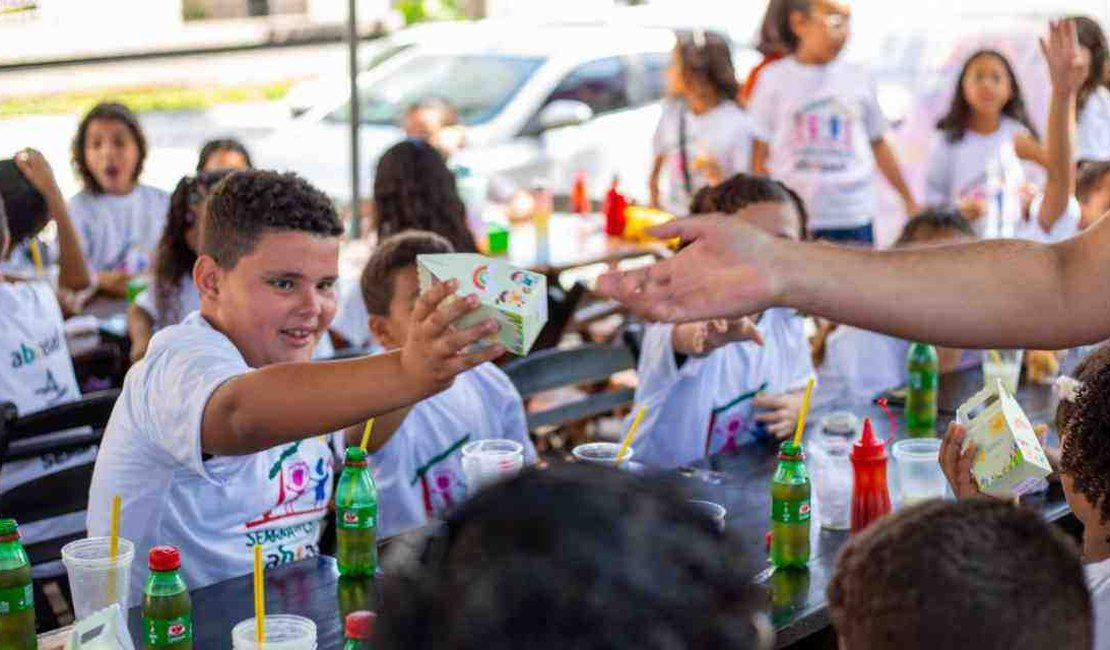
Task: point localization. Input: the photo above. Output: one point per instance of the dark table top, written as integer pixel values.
(740, 481)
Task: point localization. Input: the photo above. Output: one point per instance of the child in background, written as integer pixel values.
(818, 126)
(771, 45)
(118, 219)
(435, 121)
(224, 153)
(856, 365)
(673, 108)
(710, 386)
(1092, 190)
(708, 137)
(974, 164)
(1093, 133)
(970, 575)
(219, 440)
(418, 468)
(38, 372)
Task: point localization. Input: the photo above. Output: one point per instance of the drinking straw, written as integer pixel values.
(366, 433)
(113, 545)
(630, 436)
(36, 257)
(802, 414)
(995, 356)
(259, 599)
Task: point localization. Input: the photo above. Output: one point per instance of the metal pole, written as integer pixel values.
(352, 69)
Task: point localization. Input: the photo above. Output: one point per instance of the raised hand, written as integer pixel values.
(1062, 54)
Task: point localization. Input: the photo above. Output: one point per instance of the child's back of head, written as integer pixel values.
(533, 563)
(934, 226)
(975, 574)
(1092, 190)
(742, 190)
(387, 295)
(23, 210)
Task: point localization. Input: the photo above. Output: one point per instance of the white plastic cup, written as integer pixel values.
(919, 472)
(831, 473)
(600, 453)
(1004, 365)
(714, 511)
(485, 462)
(91, 571)
(283, 632)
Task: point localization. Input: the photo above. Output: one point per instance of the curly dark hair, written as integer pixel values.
(1084, 428)
(248, 203)
(1091, 36)
(391, 255)
(414, 190)
(741, 190)
(707, 62)
(955, 122)
(222, 144)
(1090, 175)
(105, 111)
(603, 559)
(961, 575)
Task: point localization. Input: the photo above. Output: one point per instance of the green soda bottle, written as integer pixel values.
(359, 630)
(921, 402)
(356, 517)
(167, 609)
(17, 599)
(790, 509)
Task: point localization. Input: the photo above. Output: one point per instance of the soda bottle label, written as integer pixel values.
(16, 599)
(162, 632)
(790, 512)
(923, 380)
(356, 518)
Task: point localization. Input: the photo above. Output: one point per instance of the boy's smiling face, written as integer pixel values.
(278, 300)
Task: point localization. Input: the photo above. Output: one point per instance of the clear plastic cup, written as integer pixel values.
(1004, 365)
(600, 453)
(831, 473)
(95, 582)
(283, 632)
(485, 462)
(919, 472)
(714, 511)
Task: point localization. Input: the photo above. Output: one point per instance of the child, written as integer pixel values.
(38, 372)
(435, 121)
(709, 386)
(119, 220)
(218, 440)
(706, 138)
(818, 126)
(418, 468)
(856, 365)
(974, 164)
(970, 575)
(224, 153)
(1093, 133)
(1092, 190)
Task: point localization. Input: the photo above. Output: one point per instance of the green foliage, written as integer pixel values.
(416, 11)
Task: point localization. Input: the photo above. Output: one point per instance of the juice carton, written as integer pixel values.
(1009, 459)
(515, 298)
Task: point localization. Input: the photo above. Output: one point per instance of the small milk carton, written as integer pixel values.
(1009, 459)
(515, 298)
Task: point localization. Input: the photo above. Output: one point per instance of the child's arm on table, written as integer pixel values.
(780, 412)
(888, 165)
(140, 327)
(292, 401)
(73, 273)
(703, 337)
(112, 283)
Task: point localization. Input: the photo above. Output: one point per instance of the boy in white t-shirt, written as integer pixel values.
(418, 467)
(37, 370)
(712, 386)
(218, 441)
(818, 125)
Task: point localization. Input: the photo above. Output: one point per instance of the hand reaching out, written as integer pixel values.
(1062, 54)
(779, 413)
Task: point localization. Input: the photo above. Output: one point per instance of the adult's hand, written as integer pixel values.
(727, 270)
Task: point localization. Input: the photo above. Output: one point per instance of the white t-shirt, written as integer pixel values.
(1093, 128)
(351, 319)
(187, 299)
(38, 373)
(419, 471)
(723, 134)
(706, 405)
(1098, 581)
(213, 510)
(120, 233)
(858, 366)
(819, 122)
(1066, 226)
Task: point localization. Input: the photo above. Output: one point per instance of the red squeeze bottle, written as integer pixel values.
(870, 496)
(579, 197)
(614, 208)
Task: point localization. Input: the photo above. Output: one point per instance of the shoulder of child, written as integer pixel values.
(191, 337)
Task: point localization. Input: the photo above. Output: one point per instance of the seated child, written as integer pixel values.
(219, 440)
(1083, 424)
(38, 372)
(970, 575)
(710, 386)
(418, 469)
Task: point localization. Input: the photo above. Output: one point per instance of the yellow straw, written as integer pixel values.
(366, 433)
(259, 599)
(36, 257)
(113, 545)
(630, 436)
(802, 414)
(995, 356)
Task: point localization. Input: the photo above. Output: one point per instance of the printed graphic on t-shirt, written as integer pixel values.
(30, 356)
(730, 422)
(442, 485)
(821, 133)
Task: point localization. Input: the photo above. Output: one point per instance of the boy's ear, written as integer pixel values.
(207, 275)
(379, 328)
